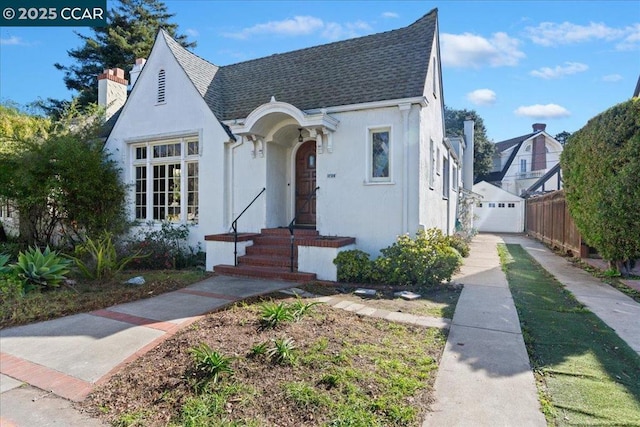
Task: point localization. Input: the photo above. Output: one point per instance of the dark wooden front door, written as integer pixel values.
(305, 184)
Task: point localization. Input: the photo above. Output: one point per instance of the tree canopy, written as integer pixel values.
(130, 32)
(58, 177)
(483, 148)
(601, 173)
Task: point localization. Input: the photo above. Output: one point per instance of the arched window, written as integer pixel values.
(161, 86)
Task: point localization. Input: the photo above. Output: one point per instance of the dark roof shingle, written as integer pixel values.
(384, 66)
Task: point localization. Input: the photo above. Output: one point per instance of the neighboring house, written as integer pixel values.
(359, 120)
(520, 162)
(9, 218)
(498, 211)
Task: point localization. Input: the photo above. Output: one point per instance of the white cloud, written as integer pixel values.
(304, 25)
(390, 15)
(538, 111)
(560, 70)
(612, 78)
(482, 97)
(335, 31)
(191, 32)
(471, 50)
(631, 40)
(554, 34)
(298, 26)
(12, 41)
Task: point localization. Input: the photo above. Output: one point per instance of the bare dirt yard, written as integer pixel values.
(330, 367)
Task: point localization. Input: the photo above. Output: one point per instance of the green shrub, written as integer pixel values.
(426, 260)
(167, 248)
(210, 364)
(11, 289)
(4, 266)
(41, 269)
(282, 351)
(601, 176)
(354, 266)
(459, 243)
(99, 259)
(273, 314)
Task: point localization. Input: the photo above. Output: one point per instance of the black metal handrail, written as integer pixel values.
(293, 221)
(234, 226)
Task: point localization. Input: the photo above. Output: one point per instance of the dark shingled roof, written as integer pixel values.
(384, 66)
(503, 146)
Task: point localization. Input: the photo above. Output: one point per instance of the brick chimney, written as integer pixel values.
(112, 90)
(135, 71)
(539, 127)
(539, 152)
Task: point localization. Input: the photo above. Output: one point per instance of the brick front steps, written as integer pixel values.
(270, 255)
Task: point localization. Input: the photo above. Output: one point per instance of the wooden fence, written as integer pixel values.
(548, 220)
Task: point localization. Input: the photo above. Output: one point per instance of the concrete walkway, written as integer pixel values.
(619, 311)
(484, 377)
(66, 357)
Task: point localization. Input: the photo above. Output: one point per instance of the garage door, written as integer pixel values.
(499, 217)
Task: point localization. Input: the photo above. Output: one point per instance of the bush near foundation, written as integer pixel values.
(428, 259)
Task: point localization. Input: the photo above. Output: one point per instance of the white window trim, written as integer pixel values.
(369, 179)
(432, 164)
(149, 163)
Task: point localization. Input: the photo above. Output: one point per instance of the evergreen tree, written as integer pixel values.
(130, 32)
(483, 148)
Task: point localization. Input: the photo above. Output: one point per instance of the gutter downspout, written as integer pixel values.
(404, 110)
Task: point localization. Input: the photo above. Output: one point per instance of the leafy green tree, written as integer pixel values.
(60, 179)
(601, 173)
(130, 32)
(483, 148)
(562, 137)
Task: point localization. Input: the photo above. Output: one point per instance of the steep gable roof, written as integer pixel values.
(501, 147)
(384, 66)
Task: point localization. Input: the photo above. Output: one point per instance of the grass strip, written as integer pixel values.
(586, 374)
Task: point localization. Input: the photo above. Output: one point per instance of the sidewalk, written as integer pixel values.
(620, 312)
(484, 378)
(66, 357)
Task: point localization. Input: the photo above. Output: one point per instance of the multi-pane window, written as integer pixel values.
(162, 191)
(511, 205)
(523, 165)
(5, 209)
(501, 205)
(380, 154)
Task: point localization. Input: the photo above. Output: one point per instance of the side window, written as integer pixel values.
(379, 155)
(432, 163)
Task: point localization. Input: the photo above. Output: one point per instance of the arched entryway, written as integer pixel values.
(305, 200)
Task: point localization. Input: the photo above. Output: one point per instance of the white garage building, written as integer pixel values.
(498, 211)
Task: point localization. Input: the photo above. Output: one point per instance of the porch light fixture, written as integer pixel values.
(300, 138)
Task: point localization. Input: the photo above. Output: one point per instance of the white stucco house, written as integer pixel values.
(518, 163)
(522, 166)
(344, 142)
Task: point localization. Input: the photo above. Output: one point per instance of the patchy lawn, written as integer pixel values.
(586, 374)
(87, 296)
(341, 370)
(437, 301)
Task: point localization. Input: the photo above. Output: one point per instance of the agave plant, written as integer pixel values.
(4, 267)
(44, 269)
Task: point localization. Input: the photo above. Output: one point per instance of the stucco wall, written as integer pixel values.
(183, 113)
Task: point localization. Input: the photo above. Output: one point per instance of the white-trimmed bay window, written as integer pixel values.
(379, 162)
(165, 177)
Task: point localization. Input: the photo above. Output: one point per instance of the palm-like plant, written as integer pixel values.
(43, 269)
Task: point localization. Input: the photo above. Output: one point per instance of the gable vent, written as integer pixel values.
(161, 86)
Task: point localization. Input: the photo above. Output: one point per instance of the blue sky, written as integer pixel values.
(514, 62)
